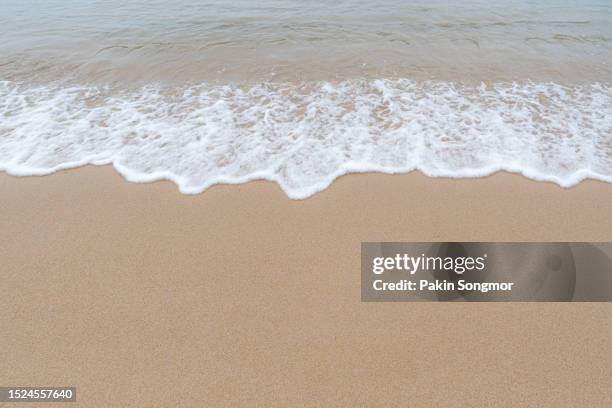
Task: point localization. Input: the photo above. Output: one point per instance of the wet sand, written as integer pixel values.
(142, 297)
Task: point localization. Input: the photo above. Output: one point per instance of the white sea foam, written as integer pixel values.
(303, 136)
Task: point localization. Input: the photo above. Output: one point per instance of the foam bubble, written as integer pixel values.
(303, 136)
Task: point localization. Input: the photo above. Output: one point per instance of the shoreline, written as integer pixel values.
(501, 186)
(305, 138)
(134, 177)
(241, 296)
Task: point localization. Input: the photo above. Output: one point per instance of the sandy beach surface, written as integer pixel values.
(142, 297)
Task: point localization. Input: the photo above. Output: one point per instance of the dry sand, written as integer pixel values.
(142, 297)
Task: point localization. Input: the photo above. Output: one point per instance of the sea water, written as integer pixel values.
(303, 91)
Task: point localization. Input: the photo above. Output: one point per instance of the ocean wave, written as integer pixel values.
(305, 135)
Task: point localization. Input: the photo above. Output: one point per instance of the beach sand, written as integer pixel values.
(142, 297)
